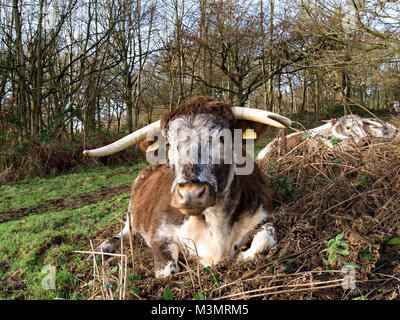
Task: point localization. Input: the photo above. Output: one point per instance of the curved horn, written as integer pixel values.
(337, 135)
(262, 116)
(125, 142)
(375, 123)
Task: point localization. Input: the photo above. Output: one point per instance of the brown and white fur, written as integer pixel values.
(230, 208)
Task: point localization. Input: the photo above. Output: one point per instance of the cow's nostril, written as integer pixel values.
(180, 194)
(202, 191)
(192, 196)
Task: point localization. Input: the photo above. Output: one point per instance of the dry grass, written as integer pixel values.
(321, 193)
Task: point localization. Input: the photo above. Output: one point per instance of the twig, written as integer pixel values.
(121, 270)
(198, 262)
(96, 271)
(389, 276)
(99, 253)
(289, 291)
(311, 286)
(384, 219)
(274, 276)
(126, 277)
(131, 242)
(186, 266)
(104, 278)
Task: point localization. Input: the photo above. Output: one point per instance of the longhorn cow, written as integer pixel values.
(343, 133)
(206, 208)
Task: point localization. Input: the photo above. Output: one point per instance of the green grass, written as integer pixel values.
(262, 143)
(50, 238)
(34, 190)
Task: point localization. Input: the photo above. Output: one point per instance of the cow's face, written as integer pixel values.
(351, 128)
(196, 148)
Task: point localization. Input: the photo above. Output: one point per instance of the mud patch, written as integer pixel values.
(4, 267)
(67, 202)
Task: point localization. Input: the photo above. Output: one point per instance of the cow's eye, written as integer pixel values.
(348, 128)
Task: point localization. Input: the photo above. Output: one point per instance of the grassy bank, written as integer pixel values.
(49, 237)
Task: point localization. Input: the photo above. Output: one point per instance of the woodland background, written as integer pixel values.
(78, 74)
(75, 74)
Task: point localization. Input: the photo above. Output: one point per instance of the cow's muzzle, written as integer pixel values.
(193, 198)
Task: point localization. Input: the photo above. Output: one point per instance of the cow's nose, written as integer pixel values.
(193, 196)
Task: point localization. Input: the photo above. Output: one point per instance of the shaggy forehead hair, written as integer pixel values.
(190, 129)
(190, 139)
(221, 112)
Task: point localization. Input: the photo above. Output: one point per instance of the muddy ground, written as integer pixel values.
(66, 203)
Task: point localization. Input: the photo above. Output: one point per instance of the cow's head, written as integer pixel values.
(197, 133)
(349, 128)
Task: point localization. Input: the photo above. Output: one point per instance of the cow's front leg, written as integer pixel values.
(110, 245)
(264, 240)
(165, 254)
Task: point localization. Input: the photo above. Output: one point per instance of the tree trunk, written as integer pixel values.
(178, 32)
(270, 64)
(279, 93)
(21, 95)
(304, 96)
(263, 57)
(38, 72)
(292, 108)
(129, 102)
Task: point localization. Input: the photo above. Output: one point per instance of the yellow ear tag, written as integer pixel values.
(249, 134)
(153, 147)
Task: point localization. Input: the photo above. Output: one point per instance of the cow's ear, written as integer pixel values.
(333, 121)
(144, 144)
(260, 128)
(148, 145)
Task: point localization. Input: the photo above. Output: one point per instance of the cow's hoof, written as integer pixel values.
(264, 240)
(107, 247)
(169, 269)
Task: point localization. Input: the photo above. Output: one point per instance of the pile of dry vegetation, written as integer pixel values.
(352, 197)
